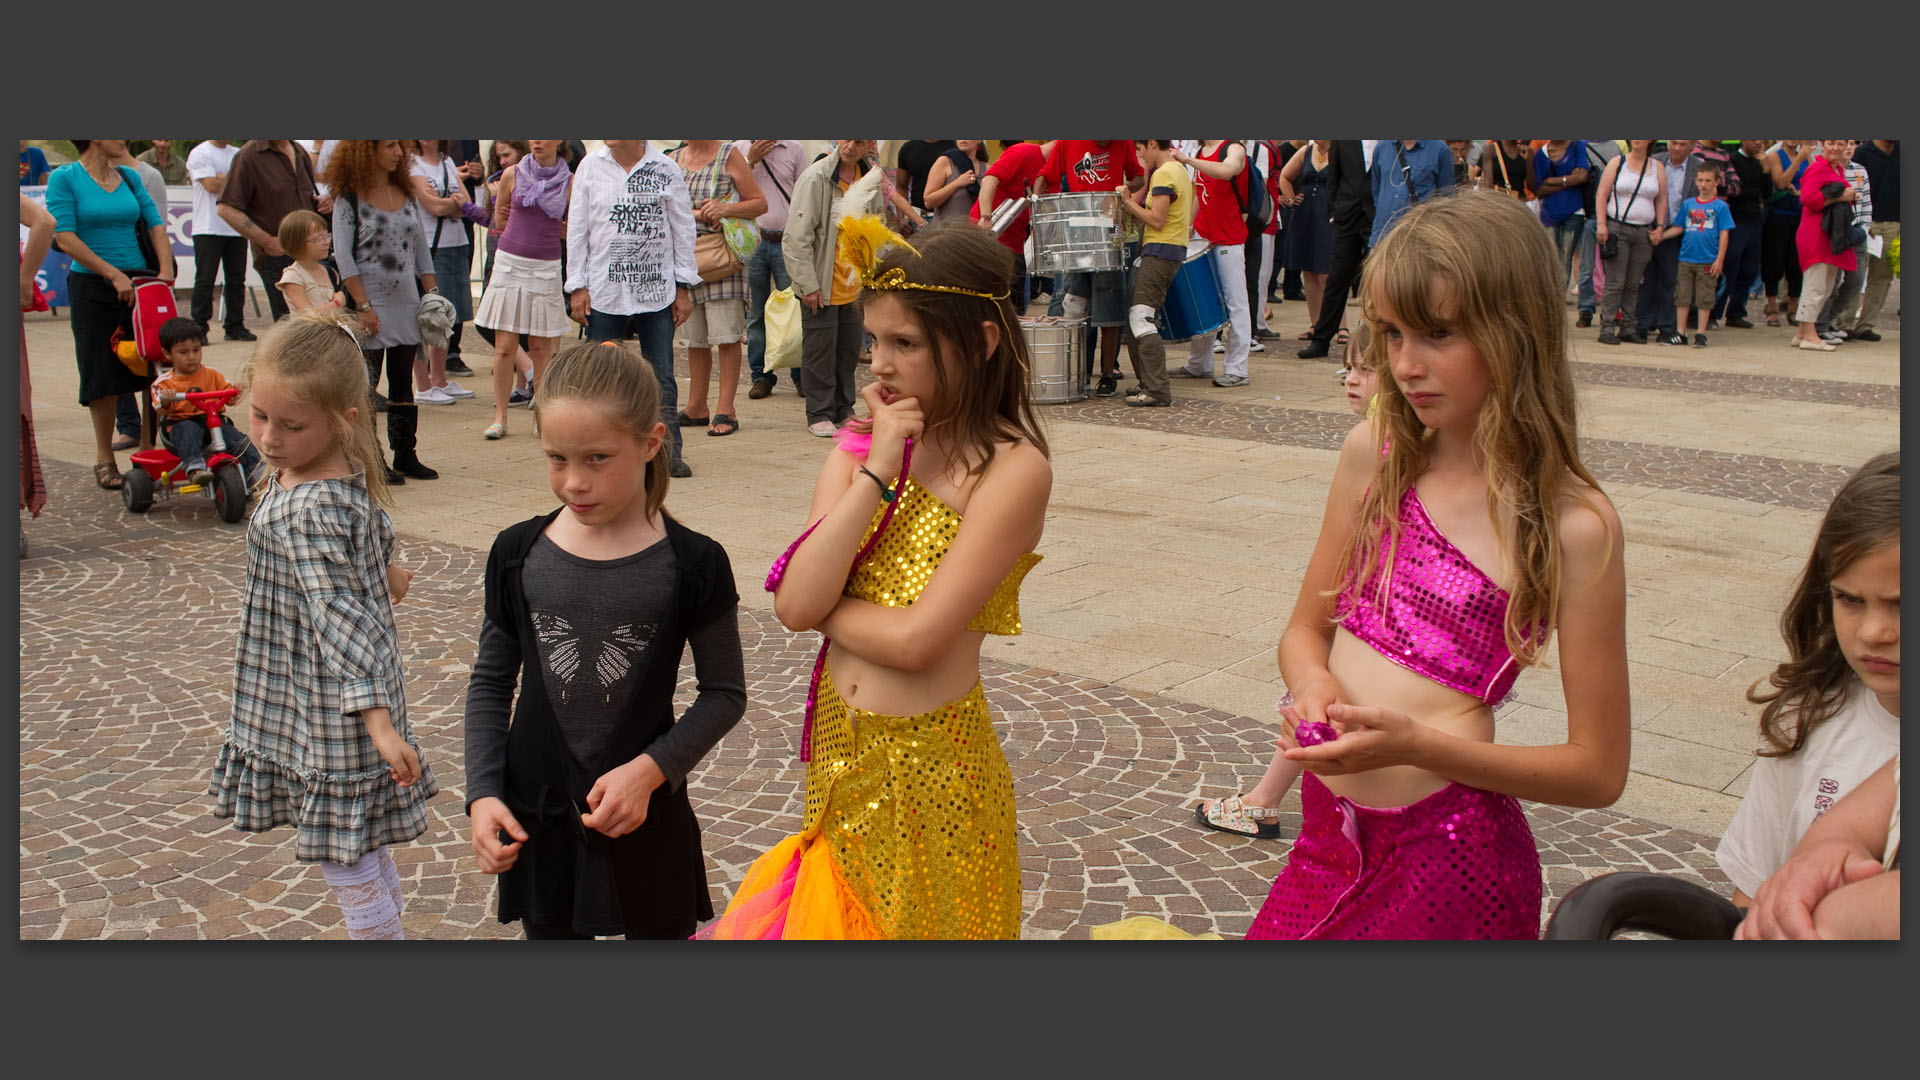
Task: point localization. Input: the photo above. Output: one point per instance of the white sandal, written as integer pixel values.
(1234, 816)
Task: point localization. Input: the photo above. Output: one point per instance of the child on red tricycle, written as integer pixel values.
(189, 401)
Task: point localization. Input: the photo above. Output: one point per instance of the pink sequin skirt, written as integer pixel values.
(1458, 864)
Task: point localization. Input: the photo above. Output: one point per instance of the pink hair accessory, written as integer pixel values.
(857, 443)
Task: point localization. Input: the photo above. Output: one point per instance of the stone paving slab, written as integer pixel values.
(120, 721)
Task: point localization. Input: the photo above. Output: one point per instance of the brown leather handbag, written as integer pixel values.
(714, 257)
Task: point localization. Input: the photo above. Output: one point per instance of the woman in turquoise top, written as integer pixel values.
(97, 211)
(1786, 163)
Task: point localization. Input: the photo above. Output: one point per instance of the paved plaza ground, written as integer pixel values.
(1146, 679)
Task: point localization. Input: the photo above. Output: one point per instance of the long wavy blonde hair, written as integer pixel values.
(1500, 286)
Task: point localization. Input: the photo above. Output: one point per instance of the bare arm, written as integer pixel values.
(752, 203)
(1005, 515)
(1290, 173)
(1602, 201)
(1154, 213)
(942, 183)
(1840, 851)
(502, 202)
(437, 205)
(1308, 639)
(1225, 169)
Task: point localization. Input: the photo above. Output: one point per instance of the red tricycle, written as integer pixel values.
(161, 472)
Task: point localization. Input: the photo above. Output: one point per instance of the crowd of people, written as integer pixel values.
(1462, 538)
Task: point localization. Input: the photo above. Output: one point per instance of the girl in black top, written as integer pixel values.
(581, 804)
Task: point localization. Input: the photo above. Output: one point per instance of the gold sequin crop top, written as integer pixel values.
(908, 553)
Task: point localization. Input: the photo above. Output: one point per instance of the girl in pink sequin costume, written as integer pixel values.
(1462, 536)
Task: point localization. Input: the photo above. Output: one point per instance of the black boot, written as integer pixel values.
(402, 424)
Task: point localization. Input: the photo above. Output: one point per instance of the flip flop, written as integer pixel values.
(692, 421)
(108, 477)
(1232, 815)
(722, 420)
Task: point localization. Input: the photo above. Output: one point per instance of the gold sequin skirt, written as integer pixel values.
(909, 832)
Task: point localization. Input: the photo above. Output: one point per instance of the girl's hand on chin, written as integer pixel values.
(894, 422)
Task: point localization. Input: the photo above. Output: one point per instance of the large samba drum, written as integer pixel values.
(1057, 350)
(1194, 304)
(1078, 232)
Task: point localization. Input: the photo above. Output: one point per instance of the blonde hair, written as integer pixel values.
(1499, 285)
(619, 380)
(316, 353)
(295, 229)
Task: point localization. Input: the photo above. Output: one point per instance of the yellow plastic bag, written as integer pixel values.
(782, 315)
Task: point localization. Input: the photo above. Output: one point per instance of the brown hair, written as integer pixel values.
(1811, 685)
(493, 152)
(980, 399)
(355, 167)
(619, 380)
(317, 353)
(1502, 291)
(294, 230)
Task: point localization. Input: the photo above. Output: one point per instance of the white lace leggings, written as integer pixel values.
(369, 895)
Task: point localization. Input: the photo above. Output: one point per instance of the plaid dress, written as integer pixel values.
(317, 645)
(714, 182)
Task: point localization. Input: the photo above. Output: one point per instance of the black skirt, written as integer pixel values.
(97, 312)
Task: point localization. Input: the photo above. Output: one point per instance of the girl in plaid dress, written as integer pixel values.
(319, 736)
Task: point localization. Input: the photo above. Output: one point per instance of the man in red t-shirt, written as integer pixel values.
(1009, 177)
(1102, 297)
(1219, 192)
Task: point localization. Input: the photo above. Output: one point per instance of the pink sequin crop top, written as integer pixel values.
(1443, 618)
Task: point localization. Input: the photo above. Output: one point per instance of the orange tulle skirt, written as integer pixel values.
(909, 833)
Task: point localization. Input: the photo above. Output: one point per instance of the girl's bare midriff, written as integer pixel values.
(875, 687)
(1367, 678)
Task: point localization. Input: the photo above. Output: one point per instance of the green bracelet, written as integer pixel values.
(886, 493)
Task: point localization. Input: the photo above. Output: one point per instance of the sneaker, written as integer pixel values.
(1140, 399)
(242, 334)
(457, 366)
(1230, 380)
(1608, 337)
(1264, 334)
(1585, 320)
(1864, 335)
(1219, 347)
(1834, 338)
(1107, 386)
(1699, 341)
(1737, 323)
(198, 473)
(679, 470)
(1675, 338)
(1185, 372)
(1713, 324)
(124, 442)
(1255, 346)
(454, 389)
(432, 395)
(519, 397)
(822, 429)
(763, 386)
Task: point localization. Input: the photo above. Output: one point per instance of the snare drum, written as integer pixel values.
(1057, 350)
(1078, 232)
(1194, 304)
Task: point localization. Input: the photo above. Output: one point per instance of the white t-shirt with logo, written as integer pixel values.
(444, 177)
(204, 163)
(1787, 793)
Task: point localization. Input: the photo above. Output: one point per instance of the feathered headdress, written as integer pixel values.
(863, 238)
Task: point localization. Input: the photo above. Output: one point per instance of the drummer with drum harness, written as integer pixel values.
(1095, 166)
(1221, 195)
(1165, 206)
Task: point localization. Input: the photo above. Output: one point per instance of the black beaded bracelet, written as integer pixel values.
(886, 493)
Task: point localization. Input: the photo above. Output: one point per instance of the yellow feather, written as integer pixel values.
(863, 238)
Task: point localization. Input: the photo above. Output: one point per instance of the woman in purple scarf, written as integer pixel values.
(523, 298)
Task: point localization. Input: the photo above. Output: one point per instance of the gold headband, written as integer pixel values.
(863, 238)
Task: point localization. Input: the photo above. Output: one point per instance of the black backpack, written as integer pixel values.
(1256, 206)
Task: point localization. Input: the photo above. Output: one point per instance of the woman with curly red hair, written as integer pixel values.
(384, 264)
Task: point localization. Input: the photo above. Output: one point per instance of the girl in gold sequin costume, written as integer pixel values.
(924, 521)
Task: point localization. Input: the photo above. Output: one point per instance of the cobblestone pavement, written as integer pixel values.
(126, 635)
